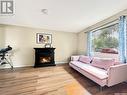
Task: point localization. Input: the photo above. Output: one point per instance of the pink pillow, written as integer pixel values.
(85, 59)
(117, 62)
(103, 63)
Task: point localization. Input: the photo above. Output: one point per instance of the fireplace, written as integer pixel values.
(44, 57)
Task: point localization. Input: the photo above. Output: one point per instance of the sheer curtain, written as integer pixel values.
(89, 43)
(123, 39)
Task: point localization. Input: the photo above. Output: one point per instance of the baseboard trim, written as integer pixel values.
(29, 65)
(15, 66)
(60, 62)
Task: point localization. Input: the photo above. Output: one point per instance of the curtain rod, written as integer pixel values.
(100, 27)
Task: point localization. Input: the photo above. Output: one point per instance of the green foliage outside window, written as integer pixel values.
(105, 39)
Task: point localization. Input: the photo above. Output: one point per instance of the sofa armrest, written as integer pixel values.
(75, 58)
(117, 74)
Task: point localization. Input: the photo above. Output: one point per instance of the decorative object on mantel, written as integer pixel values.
(42, 38)
(47, 45)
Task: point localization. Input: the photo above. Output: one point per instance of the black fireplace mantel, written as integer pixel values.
(44, 57)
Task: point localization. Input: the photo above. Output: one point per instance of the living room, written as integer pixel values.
(83, 29)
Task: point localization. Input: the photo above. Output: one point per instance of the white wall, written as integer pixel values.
(82, 43)
(23, 40)
(2, 36)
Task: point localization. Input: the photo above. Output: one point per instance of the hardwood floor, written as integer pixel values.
(58, 80)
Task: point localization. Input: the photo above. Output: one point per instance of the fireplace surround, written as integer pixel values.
(44, 57)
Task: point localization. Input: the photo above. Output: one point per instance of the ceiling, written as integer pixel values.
(63, 15)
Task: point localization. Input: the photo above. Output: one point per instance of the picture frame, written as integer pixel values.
(43, 38)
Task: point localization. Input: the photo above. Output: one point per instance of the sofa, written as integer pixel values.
(104, 72)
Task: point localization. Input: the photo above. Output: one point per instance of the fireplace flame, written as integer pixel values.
(45, 59)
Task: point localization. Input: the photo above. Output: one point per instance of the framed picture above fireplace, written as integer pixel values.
(42, 38)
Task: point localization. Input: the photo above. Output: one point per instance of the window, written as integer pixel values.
(105, 41)
(109, 41)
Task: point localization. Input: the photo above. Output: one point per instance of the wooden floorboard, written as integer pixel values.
(56, 80)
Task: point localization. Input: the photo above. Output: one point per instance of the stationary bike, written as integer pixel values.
(3, 54)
